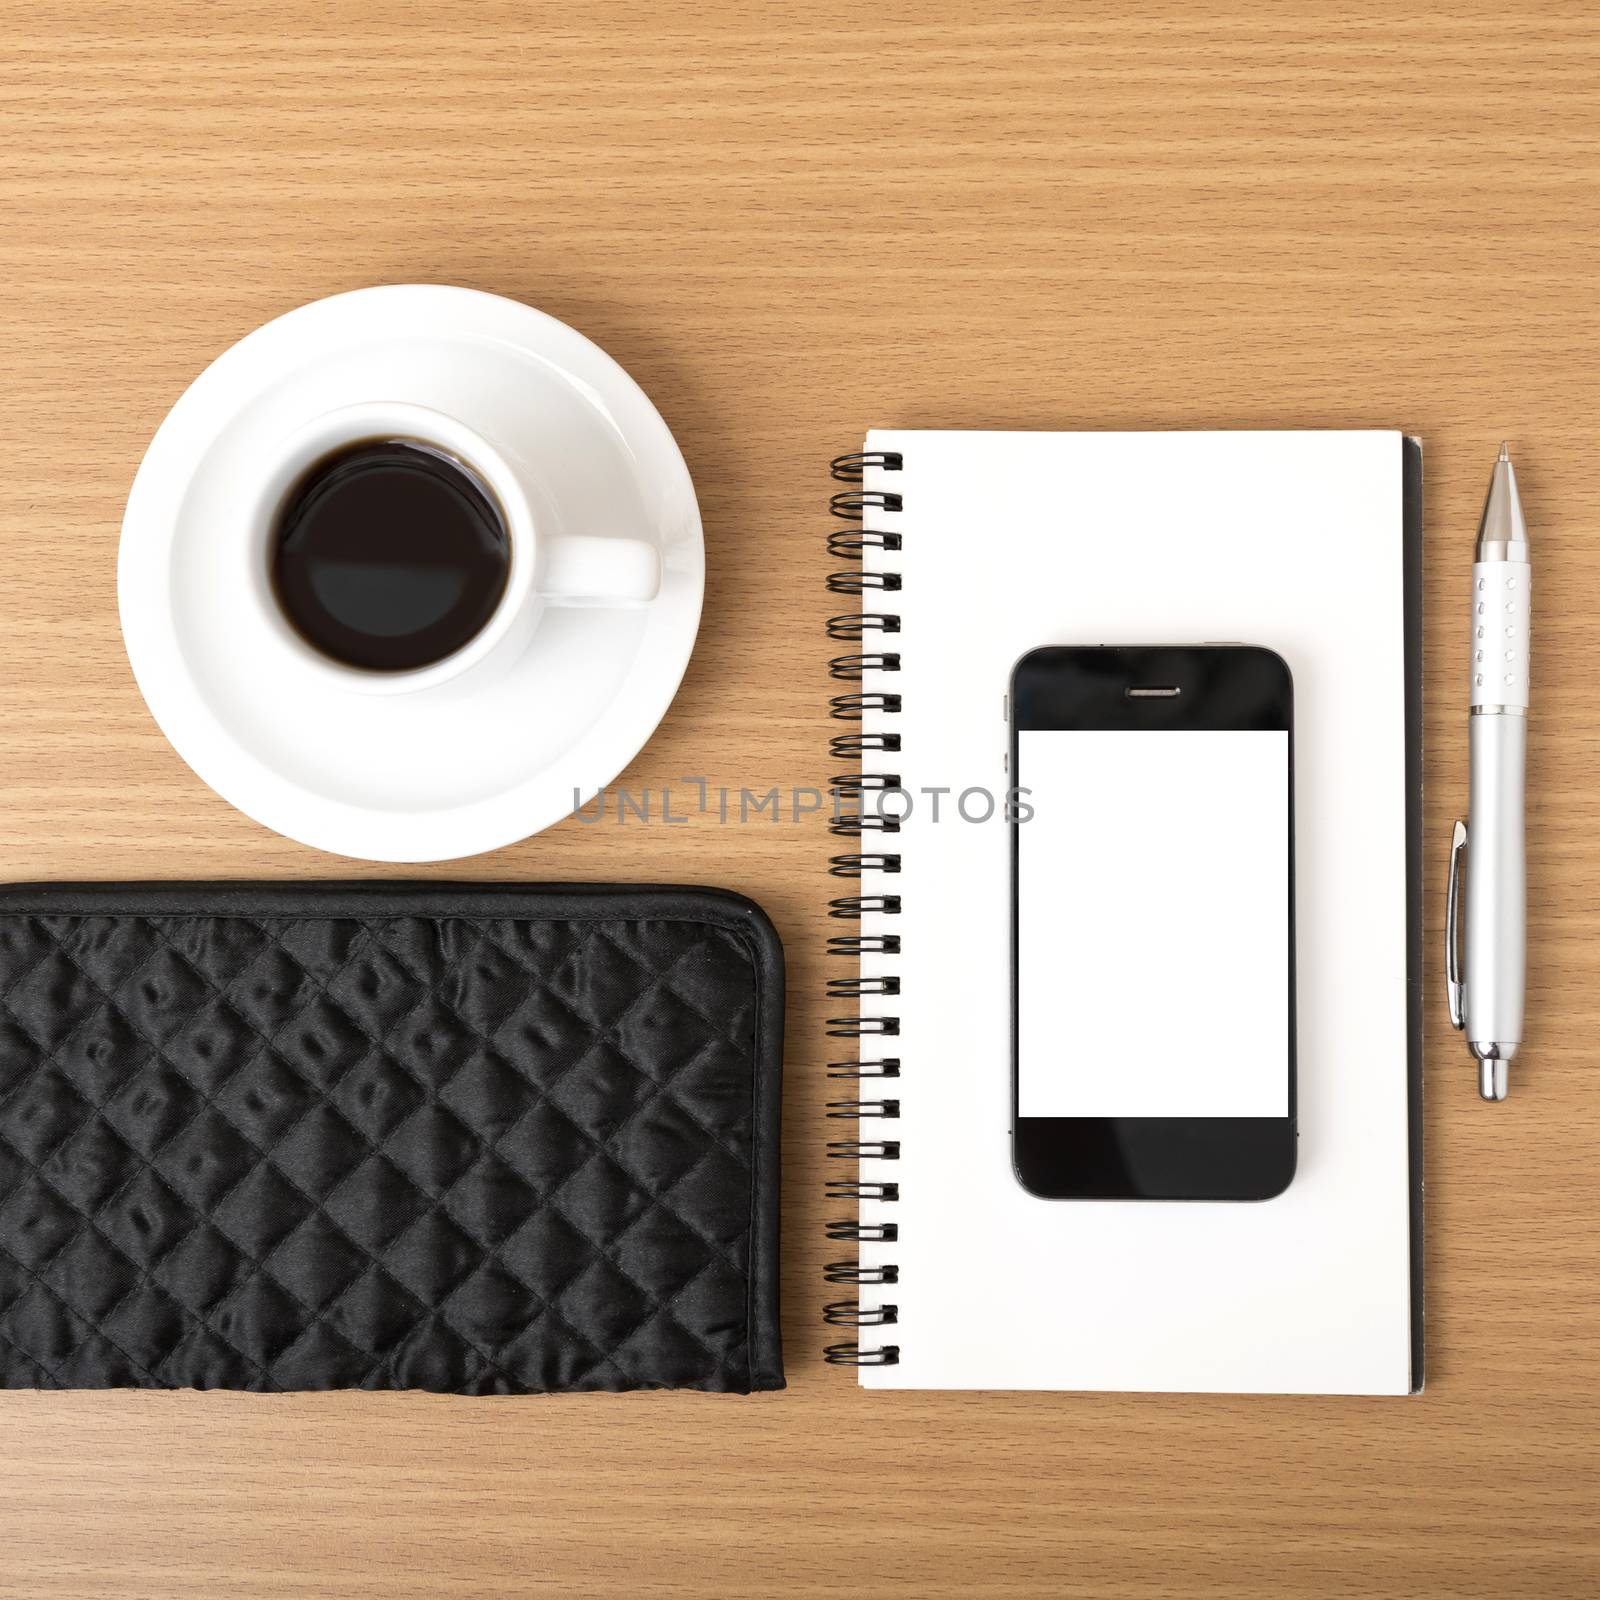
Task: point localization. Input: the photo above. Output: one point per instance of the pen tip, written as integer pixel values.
(1502, 521)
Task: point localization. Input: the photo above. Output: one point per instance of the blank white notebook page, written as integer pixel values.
(1294, 541)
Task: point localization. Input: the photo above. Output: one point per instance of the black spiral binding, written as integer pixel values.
(868, 824)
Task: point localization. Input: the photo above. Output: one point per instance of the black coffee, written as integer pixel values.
(389, 555)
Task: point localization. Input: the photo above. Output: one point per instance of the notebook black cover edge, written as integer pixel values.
(1411, 572)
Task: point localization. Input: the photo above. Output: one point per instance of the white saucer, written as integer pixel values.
(424, 776)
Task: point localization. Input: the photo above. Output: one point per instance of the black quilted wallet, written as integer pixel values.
(481, 1140)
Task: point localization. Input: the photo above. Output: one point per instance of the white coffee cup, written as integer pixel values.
(548, 566)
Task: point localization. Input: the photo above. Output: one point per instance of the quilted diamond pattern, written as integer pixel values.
(483, 1154)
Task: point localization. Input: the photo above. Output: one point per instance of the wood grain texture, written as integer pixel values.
(789, 223)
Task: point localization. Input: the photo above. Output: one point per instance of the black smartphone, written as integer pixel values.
(1152, 923)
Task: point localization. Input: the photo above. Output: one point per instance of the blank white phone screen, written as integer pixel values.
(1153, 924)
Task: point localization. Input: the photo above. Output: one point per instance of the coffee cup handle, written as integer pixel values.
(581, 570)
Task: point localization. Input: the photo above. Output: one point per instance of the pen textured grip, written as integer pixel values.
(1499, 659)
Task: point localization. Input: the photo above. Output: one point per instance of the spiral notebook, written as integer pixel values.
(955, 553)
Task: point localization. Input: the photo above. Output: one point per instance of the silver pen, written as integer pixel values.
(1486, 938)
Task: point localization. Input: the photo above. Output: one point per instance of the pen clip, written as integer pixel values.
(1452, 917)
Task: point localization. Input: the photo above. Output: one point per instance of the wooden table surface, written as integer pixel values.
(789, 224)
